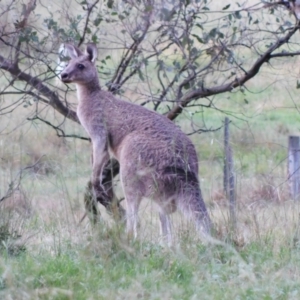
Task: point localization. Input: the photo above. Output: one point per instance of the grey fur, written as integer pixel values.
(157, 160)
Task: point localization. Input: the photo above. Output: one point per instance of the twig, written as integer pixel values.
(59, 131)
(115, 83)
(15, 183)
(205, 130)
(89, 11)
(237, 82)
(38, 84)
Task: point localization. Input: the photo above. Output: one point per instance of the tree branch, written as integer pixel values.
(14, 185)
(237, 82)
(28, 9)
(89, 11)
(36, 83)
(201, 130)
(284, 54)
(116, 81)
(59, 131)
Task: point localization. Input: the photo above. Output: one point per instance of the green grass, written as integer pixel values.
(147, 271)
(46, 254)
(55, 257)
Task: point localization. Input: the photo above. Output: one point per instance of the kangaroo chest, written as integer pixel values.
(91, 118)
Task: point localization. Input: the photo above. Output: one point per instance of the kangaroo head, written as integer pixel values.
(81, 68)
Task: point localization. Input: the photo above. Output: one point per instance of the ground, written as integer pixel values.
(46, 253)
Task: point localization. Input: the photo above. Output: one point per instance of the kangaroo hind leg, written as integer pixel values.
(133, 199)
(166, 228)
(132, 218)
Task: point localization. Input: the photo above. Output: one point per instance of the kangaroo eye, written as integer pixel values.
(80, 66)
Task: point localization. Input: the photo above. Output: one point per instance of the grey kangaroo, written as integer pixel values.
(157, 160)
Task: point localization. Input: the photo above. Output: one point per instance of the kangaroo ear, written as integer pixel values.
(91, 51)
(72, 51)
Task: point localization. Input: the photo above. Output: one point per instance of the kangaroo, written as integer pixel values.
(157, 160)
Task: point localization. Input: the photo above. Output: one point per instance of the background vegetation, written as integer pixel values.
(167, 56)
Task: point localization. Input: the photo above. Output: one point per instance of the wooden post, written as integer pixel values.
(229, 180)
(226, 151)
(294, 166)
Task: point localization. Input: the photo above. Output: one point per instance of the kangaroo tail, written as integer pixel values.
(191, 202)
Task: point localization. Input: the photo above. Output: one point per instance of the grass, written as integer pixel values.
(65, 260)
(46, 253)
(105, 267)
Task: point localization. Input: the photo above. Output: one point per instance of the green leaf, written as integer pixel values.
(221, 35)
(110, 3)
(94, 38)
(141, 75)
(97, 21)
(213, 33)
(199, 25)
(187, 86)
(148, 8)
(165, 14)
(237, 15)
(198, 38)
(226, 7)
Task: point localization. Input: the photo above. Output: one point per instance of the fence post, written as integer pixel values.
(229, 180)
(294, 166)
